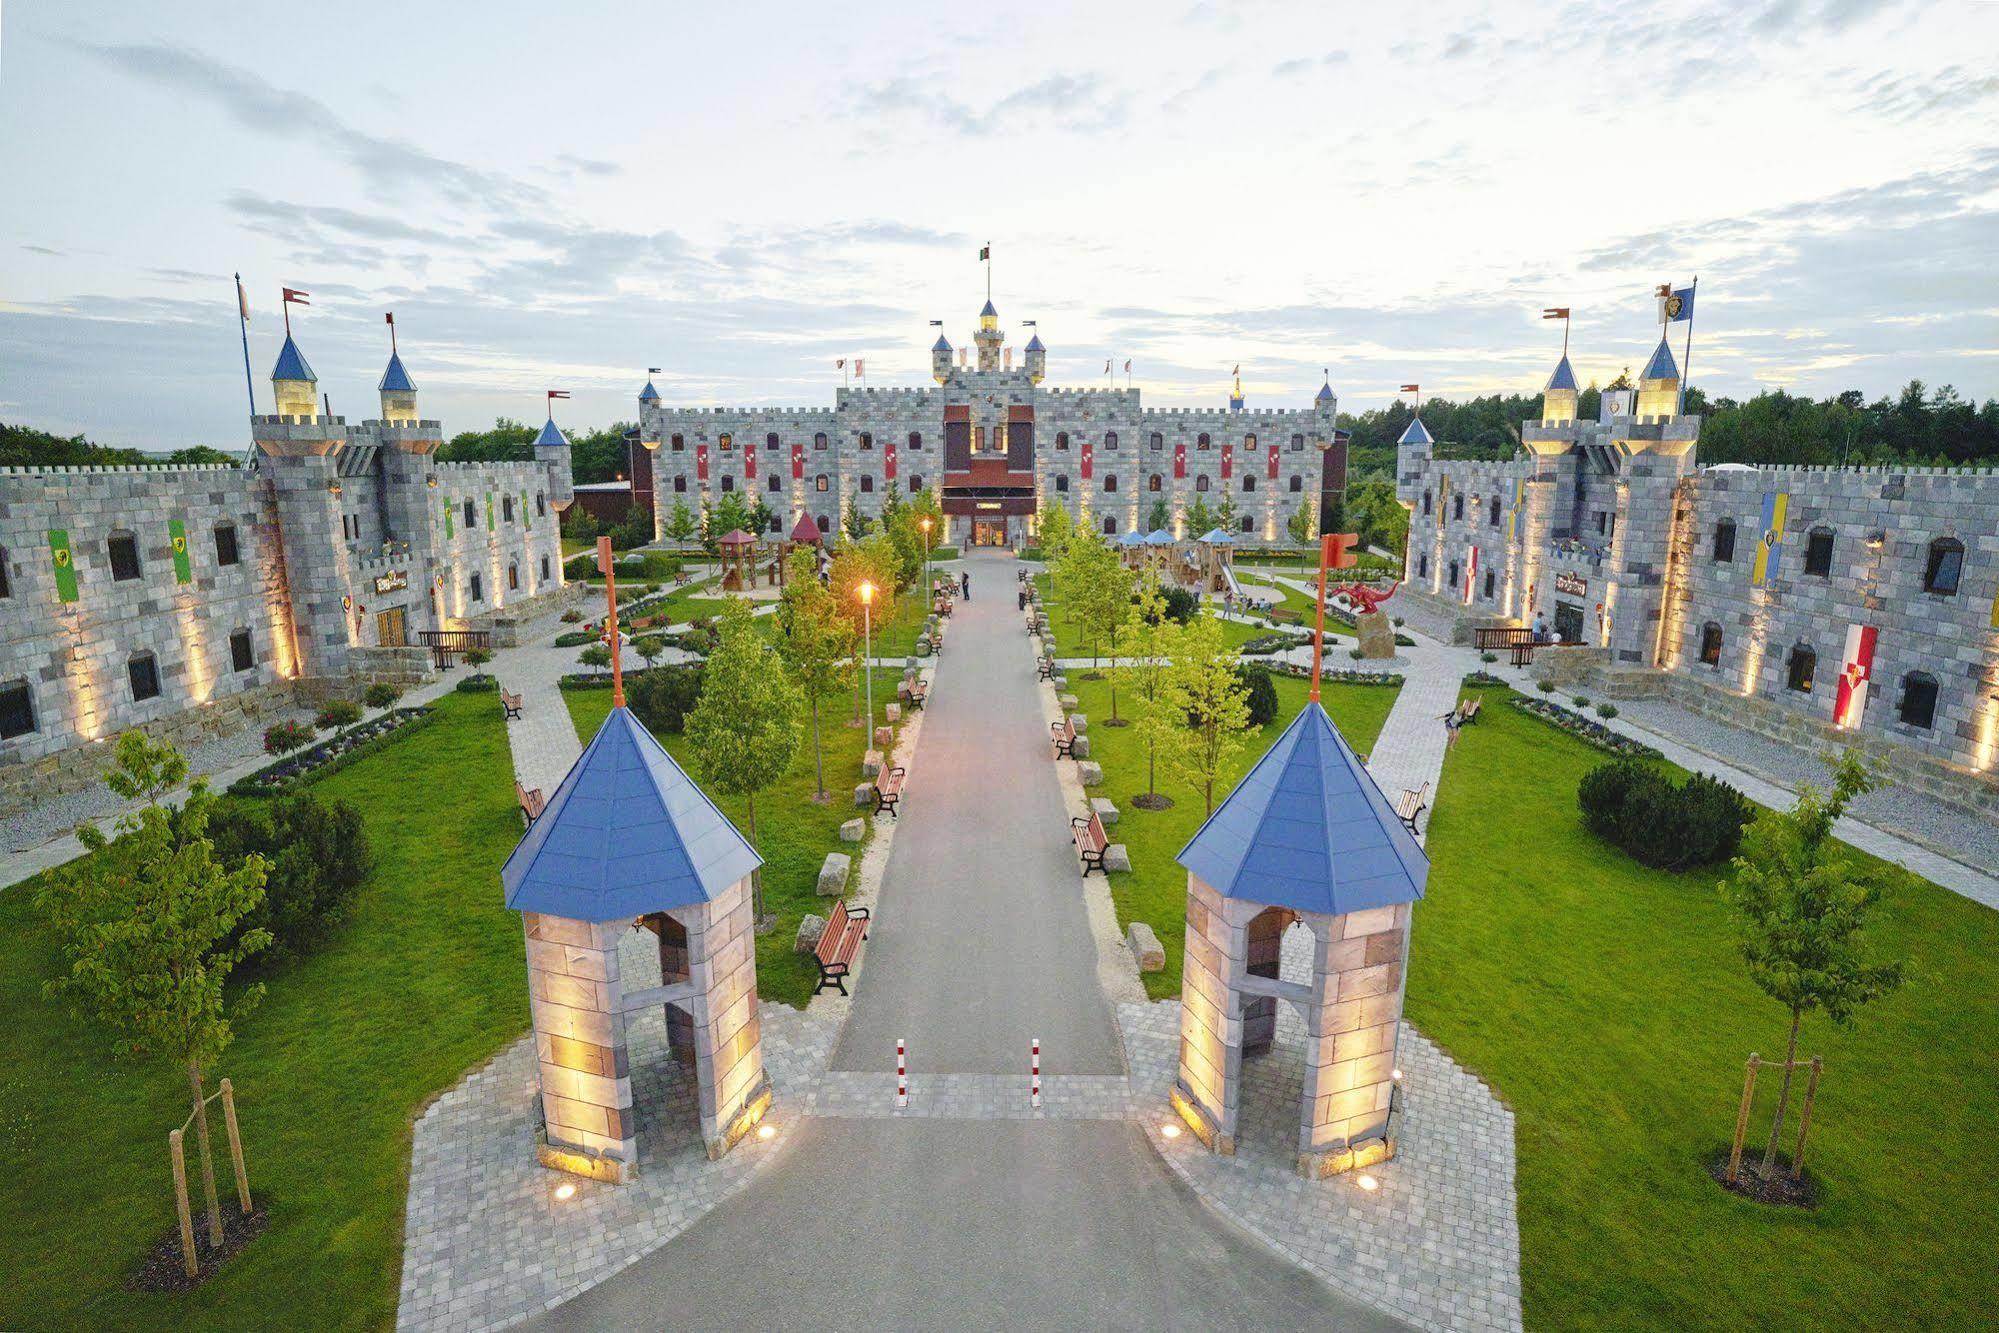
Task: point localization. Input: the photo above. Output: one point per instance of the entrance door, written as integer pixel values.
(988, 532)
(1569, 622)
(390, 629)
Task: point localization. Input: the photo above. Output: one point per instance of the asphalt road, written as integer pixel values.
(980, 943)
(934, 1224)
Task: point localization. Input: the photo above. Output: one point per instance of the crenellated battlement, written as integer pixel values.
(120, 469)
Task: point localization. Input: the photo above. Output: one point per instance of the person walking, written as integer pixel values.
(965, 585)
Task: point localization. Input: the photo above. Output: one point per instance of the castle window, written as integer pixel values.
(544, 569)
(819, 483)
(680, 485)
(17, 710)
(1155, 482)
(1249, 442)
(1803, 666)
(513, 576)
(1248, 524)
(1945, 566)
(1493, 515)
(506, 508)
(1453, 579)
(771, 442)
(6, 587)
(1710, 644)
(143, 671)
(478, 589)
(1426, 504)
(1490, 576)
(727, 442)
(915, 485)
(819, 440)
(1110, 481)
(1249, 481)
(1110, 526)
(1201, 441)
(728, 482)
(1062, 483)
(1297, 444)
(1061, 439)
(1201, 482)
(225, 544)
(124, 550)
(1297, 483)
(1818, 553)
(867, 440)
(775, 484)
(242, 655)
(867, 485)
(916, 439)
(679, 444)
(1423, 567)
(1110, 439)
(1724, 541)
(470, 521)
(1919, 700)
(540, 505)
(825, 524)
(1158, 440)
(1458, 506)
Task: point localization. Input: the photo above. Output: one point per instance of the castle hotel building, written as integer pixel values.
(993, 444)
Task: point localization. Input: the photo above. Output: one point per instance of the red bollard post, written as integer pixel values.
(1034, 1087)
(901, 1079)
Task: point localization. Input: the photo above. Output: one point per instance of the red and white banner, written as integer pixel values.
(1089, 460)
(1471, 572)
(1856, 669)
(798, 462)
(1228, 460)
(1180, 461)
(701, 462)
(750, 461)
(1273, 462)
(888, 460)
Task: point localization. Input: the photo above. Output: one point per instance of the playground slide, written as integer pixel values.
(1244, 596)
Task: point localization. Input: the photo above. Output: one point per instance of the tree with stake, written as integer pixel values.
(1097, 592)
(1212, 703)
(1151, 639)
(680, 525)
(597, 657)
(1199, 517)
(145, 924)
(1053, 528)
(649, 646)
(744, 731)
(817, 643)
(1799, 914)
(1160, 516)
(853, 564)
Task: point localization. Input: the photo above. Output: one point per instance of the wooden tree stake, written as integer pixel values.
(1805, 1118)
(236, 1147)
(181, 1205)
(1742, 1118)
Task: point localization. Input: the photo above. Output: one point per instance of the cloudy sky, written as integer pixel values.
(561, 196)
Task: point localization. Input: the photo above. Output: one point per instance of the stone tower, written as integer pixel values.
(1659, 386)
(1037, 360)
(551, 450)
(1558, 400)
(299, 451)
(940, 359)
(989, 338)
(406, 444)
(398, 392)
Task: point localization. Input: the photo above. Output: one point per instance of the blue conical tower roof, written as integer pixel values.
(988, 309)
(1034, 344)
(1325, 393)
(291, 364)
(1416, 433)
(627, 832)
(648, 394)
(942, 344)
(1308, 829)
(1563, 378)
(551, 436)
(1661, 366)
(395, 379)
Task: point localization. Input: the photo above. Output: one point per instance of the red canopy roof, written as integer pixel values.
(805, 530)
(736, 538)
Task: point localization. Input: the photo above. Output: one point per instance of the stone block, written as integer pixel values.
(1080, 721)
(853, 830)
(893, 712)
(1061, 683)
(864, 793)
(1106, 810)
(1116, 857)
(1068, 701)
(1090, 774)
(1080, 747)
(923, 647)
(833, 874)
(810, 928)
(1145, 947)
(885, 737)
(871, 763)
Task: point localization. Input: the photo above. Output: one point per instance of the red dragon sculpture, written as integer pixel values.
(1362, 596)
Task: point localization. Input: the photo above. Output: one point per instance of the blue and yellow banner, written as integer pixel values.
(177, 538)
(64, 562)
(1770, 546)
(1513, 518)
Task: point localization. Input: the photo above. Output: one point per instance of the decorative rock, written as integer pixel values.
(1080, 721)
(922, 647)
(1377, 636)
(833, 874)
(1115, 858)
(864, 793)
(909, 665)
(871, 763)
(1080, 747)
(853, 830)
(1105, 808)
(884, 738)
(1068, 701)
(1145, 945)
(1090, 774)
(811, 927)
(893, 712)
(1061, 682)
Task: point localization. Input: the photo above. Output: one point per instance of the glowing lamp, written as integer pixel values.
(766, 1131)
(1368, 1183)
(866, 591)
(650, 444)
(925, 524)
(1170, 1131)
(565, 1192)
(1396, 1075)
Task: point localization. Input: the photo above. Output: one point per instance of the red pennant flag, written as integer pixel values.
(1555, 312)
(1412, 388)
(293, 296)
(554, 394)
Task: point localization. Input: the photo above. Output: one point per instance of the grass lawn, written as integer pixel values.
(1607, 1005)
(1069, 638)
(795, 834)
(424, 980)
(1155, 890)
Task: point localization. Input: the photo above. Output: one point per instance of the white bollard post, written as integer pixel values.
(1034, 1087)
(901, 1079)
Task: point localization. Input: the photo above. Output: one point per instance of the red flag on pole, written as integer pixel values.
(293, 296)
(1412, 388)
(554, 394)
(1555, 312)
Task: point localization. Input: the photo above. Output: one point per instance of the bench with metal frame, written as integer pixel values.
(1091, 842)
(888, 791)
(1063, 733)
(838, 944)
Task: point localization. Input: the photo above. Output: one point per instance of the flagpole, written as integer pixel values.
(1687, 362)
(243, 327)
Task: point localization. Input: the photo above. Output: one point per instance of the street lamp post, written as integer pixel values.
(866, 592)
(928, 591)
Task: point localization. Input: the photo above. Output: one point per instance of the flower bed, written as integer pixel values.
(1587, 730)
(1484, 678)
(1335, 676)
(1266, 644)
(331, 755)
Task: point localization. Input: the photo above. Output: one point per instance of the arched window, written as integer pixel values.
(1110, 439)
(1453, 579)
(1710, 644)
(1061, 439)
(1426, 504)
(1803, 666)
(680, 485)
(775, 484)
(1155, 482)
(728, 442)
(1297, 444)
(513, 576)
(1945, 567)
(1201, 482)
(540, 505)
(142, 669)
(1297, 483)
(1493, 517)
(916, 439)
(770, 442)
(867, 485)
(825, 524)
(1818, 553)
(1158, 440)
(1724, 541)
(1249, 442)
(124, 551)
(1919, 700)
(679, 444)
(1490, 583)
(225, 547)
(867, 439)
(1248, 481)
(728, 482)
(1248, 524)
(1061, 483)
(1458, 505)
(1423, 567)
(470, 521)
(819, 442)
(1110, 526)
(1110, 481)
(507, 508)
(544, 569)
(819, 483)
(775, 526)
(1201, 441)
(915, 485)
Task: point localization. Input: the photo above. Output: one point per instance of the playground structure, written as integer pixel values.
(805, 536)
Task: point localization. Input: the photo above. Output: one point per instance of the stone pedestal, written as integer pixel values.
(1377, 636)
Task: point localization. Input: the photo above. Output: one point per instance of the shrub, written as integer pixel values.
(340, 714)
(478, 657)
(1580, 701)
(477, 684)
(572, 616)
(319, 855)
(664, 696)
(579, 567)
(1639, 809)
(1026, 553)
(575, 638)
(1606, 711)
(286, 737)
(1488, 658)
(1354, 653)
(381, 694)
(1546, 687)
(1262, 695)
(1180, 604)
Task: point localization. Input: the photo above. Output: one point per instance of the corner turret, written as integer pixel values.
(1037, 360)
(551, 450)
(1558, 399)
(940, 359)
(989, 338)
(398, 393)
(1659, 385)
(1325, 402)
(293, 385)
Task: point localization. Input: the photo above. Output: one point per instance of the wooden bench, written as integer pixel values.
(838, 944)
(510, 702)
(532, 803)
(680, 578)
(1045, 669)
(1412, 805)
(916, 695)
(1523, 652)
(1468, 711)
(1063, 733)
(888, 791)
(1091, 843)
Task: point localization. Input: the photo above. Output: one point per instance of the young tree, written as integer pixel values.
(1799, 914)
(731, 513)
(598, 657)
(1151, 640)
(1096, 590)
(1199, 517)
(760, 518)
(855, 563)
(1303, 525)
(1053, 528)
(650, 647)
(817, 643)
(146, 924)
(744, 730)
(852, 521)
(1225, 514)
(680, 525)
(1212, 702)
(1160, 517)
